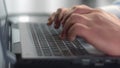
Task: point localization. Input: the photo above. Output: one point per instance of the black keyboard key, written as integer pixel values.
(56, 52)
(73, 49)
(46, 51)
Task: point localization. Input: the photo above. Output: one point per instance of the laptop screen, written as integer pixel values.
(2, 9)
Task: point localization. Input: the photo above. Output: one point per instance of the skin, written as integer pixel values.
(99, 28)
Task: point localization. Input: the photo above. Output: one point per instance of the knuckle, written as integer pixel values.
(77, 16)
(83, 5)
(76, 6)
(78, 26)
(73, 17)
(98, 10)
(59, 9)
(77, 10)
(97, 14)
(79, 6)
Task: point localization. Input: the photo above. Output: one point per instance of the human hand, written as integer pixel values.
(63, 13)
(99, 28)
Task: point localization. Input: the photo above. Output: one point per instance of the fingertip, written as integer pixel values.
(61, 37)
(71, 38)
(49, 23)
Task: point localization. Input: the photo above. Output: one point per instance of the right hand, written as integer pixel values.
(99, 28)
(59, 17)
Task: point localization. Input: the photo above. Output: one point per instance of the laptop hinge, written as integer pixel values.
(11, 57)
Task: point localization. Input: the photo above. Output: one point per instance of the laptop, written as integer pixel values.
(40, 43)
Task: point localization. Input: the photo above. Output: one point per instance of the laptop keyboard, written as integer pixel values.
(48, 43)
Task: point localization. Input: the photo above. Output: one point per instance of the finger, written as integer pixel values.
(75, 18)
(63, 12)
(51, 19)
(77, 30)
(62, 35)
(72, 33)
(59, 17)
(66, 16)
(79, 10)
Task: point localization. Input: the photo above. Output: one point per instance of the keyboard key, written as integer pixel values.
(46, 52)
(56, 52)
